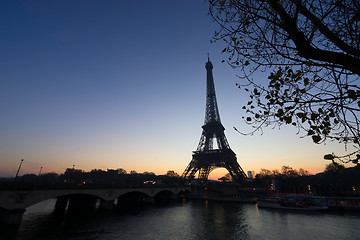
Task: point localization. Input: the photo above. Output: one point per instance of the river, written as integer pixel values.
(184, 220)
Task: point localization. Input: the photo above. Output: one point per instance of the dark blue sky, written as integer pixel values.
(118, 84)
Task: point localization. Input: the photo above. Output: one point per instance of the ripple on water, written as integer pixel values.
(184, 220)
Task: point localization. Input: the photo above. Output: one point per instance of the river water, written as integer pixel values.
(184, 220)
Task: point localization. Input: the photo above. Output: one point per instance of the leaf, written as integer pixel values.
(306, 81)
(300, 115)
(288, 119)
(352, 94)
(277, 86)
(246, 63)
(308, 63)
(329, 157)
(314, 116)
(248, 119)
(316, 138)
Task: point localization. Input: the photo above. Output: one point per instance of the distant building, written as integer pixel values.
(250, 174)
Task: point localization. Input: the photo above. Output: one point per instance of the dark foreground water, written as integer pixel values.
(185, 220)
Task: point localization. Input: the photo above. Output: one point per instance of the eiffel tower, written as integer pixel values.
(206, 158)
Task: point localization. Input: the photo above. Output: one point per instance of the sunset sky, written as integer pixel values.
(110, 84)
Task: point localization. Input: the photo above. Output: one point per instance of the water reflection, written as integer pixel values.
(211, 220)
(183, 220)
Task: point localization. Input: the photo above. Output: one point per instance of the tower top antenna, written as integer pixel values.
(208, 57)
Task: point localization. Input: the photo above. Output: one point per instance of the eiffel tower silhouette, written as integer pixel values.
(206, 158)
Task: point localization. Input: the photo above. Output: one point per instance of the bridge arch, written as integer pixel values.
(132, 197)
(165, 196)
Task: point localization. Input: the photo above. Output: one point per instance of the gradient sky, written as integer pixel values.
(121, 84)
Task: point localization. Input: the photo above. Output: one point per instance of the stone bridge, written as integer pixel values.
(13, 202)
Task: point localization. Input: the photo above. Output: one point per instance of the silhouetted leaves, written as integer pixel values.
(317, 94)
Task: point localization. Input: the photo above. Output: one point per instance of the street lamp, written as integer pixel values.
(17, 173)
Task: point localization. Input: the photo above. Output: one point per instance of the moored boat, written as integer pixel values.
(344, 203)
(294, 202)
